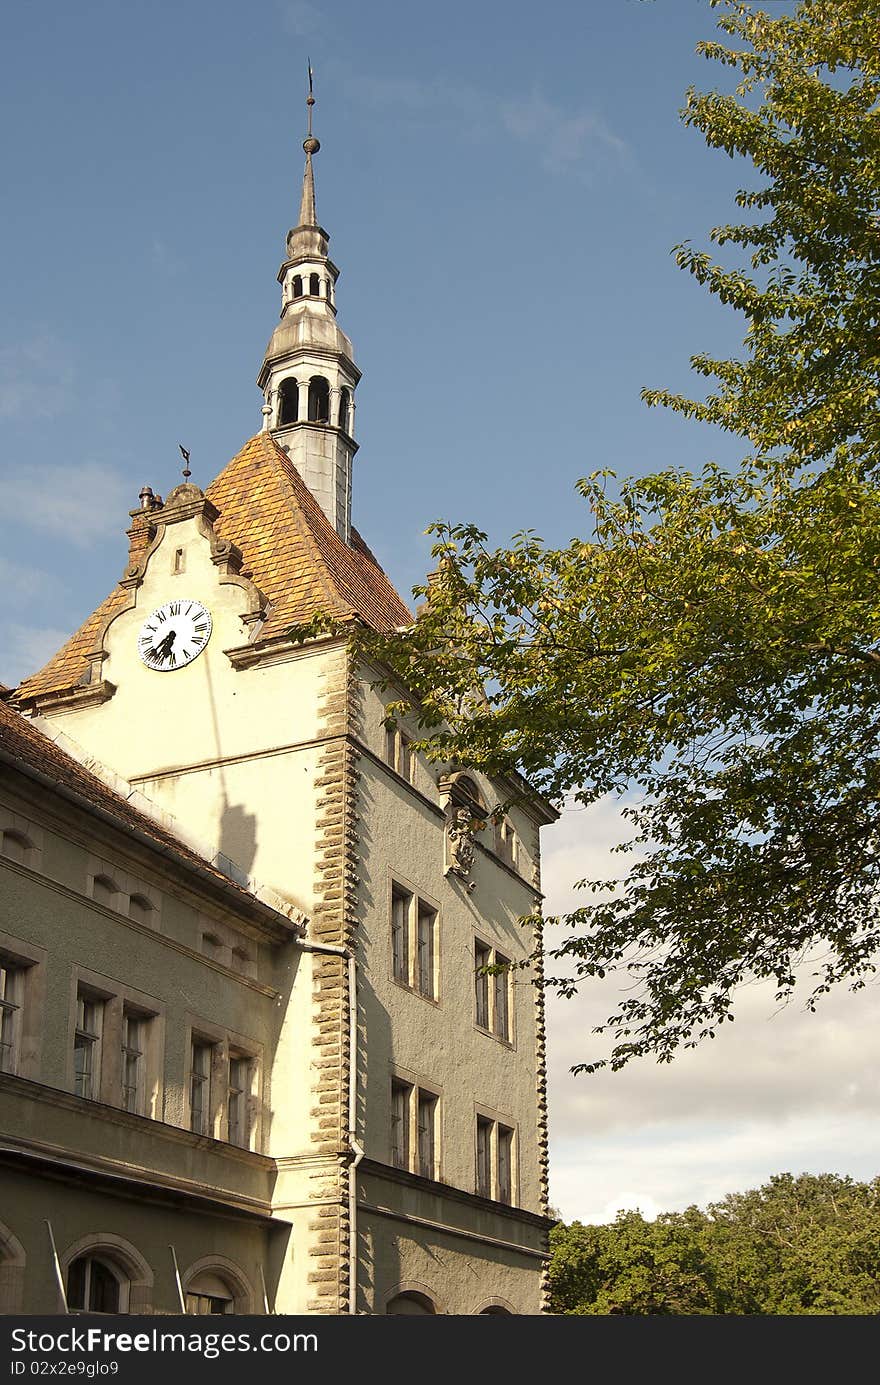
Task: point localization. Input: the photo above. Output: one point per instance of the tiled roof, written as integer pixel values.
(290, 550)
(31, 749)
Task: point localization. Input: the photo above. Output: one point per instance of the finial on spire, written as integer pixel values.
(185, 455)
(307, 213)
(310, 144)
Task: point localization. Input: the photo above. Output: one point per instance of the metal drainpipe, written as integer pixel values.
(352, 1109)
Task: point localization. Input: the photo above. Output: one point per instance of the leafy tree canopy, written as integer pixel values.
(807, 1245)
(711, 648)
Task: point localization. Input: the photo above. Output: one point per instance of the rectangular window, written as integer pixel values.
(87, 1046)
(134, 1030)
(494, 1160)
(414, 942)
(401, 903)
(505, 1164)
(427, 921)
(11, 987)
(492, 991)
(200, 1088)
(401, 1094)
(398, 752)
(505, 842)
(238, 1093)
(427, 1110)
(484, 1157)
(500, 984)
(482, 958)
(404, 757)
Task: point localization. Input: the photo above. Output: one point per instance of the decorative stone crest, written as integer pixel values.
(460, 833)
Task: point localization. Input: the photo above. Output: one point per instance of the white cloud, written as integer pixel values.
(78, 502)
(779, 1089)
(569, 141)
(26, 648)
(565, 139)
(36, 379)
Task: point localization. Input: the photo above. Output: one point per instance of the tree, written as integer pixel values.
(806, 1245)
(711, 650)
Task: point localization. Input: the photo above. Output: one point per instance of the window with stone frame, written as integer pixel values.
(494, 1159)
(22, 1006)
(506, 844)
(134, 1060)
(209, 1295)
(238, 1099)
(401, 1094)
(399, 753)
(87, 1045)
(493, 1010)
(414, 942)
(223, 1084)
(200, 1065)
(12, 984)
(414, 1128)
(95, 1285)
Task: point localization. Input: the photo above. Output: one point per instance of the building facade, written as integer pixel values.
(336, 1097)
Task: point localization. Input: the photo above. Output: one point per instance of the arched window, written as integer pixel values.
(104, 890)
(464, 793)
(96, 1285)
(319, 400)
(140, 908)
(288, 407)
(411, 1303)
(327, 293)
(16, 846)
(344, 397)
(216, 1285)
(297, 286)
(208, 1293)
(314, 285)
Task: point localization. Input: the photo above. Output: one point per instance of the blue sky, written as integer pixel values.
(503, 185)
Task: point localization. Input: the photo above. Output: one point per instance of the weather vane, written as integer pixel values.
(185, 455)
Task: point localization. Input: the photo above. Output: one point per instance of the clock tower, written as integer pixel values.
(397, 1153)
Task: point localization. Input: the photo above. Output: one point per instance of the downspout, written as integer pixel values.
(356, 1148)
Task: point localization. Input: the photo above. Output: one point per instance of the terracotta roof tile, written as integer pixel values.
(289, 548)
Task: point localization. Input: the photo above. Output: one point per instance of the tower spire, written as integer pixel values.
(307, 214)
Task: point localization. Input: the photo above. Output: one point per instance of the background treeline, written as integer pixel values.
(796, 1245)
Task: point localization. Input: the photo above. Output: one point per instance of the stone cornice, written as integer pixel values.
(446, 1190)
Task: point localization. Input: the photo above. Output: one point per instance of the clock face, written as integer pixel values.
(174, 635)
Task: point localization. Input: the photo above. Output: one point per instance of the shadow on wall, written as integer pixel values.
(237, 838)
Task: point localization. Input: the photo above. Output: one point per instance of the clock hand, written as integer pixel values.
(164, 648)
